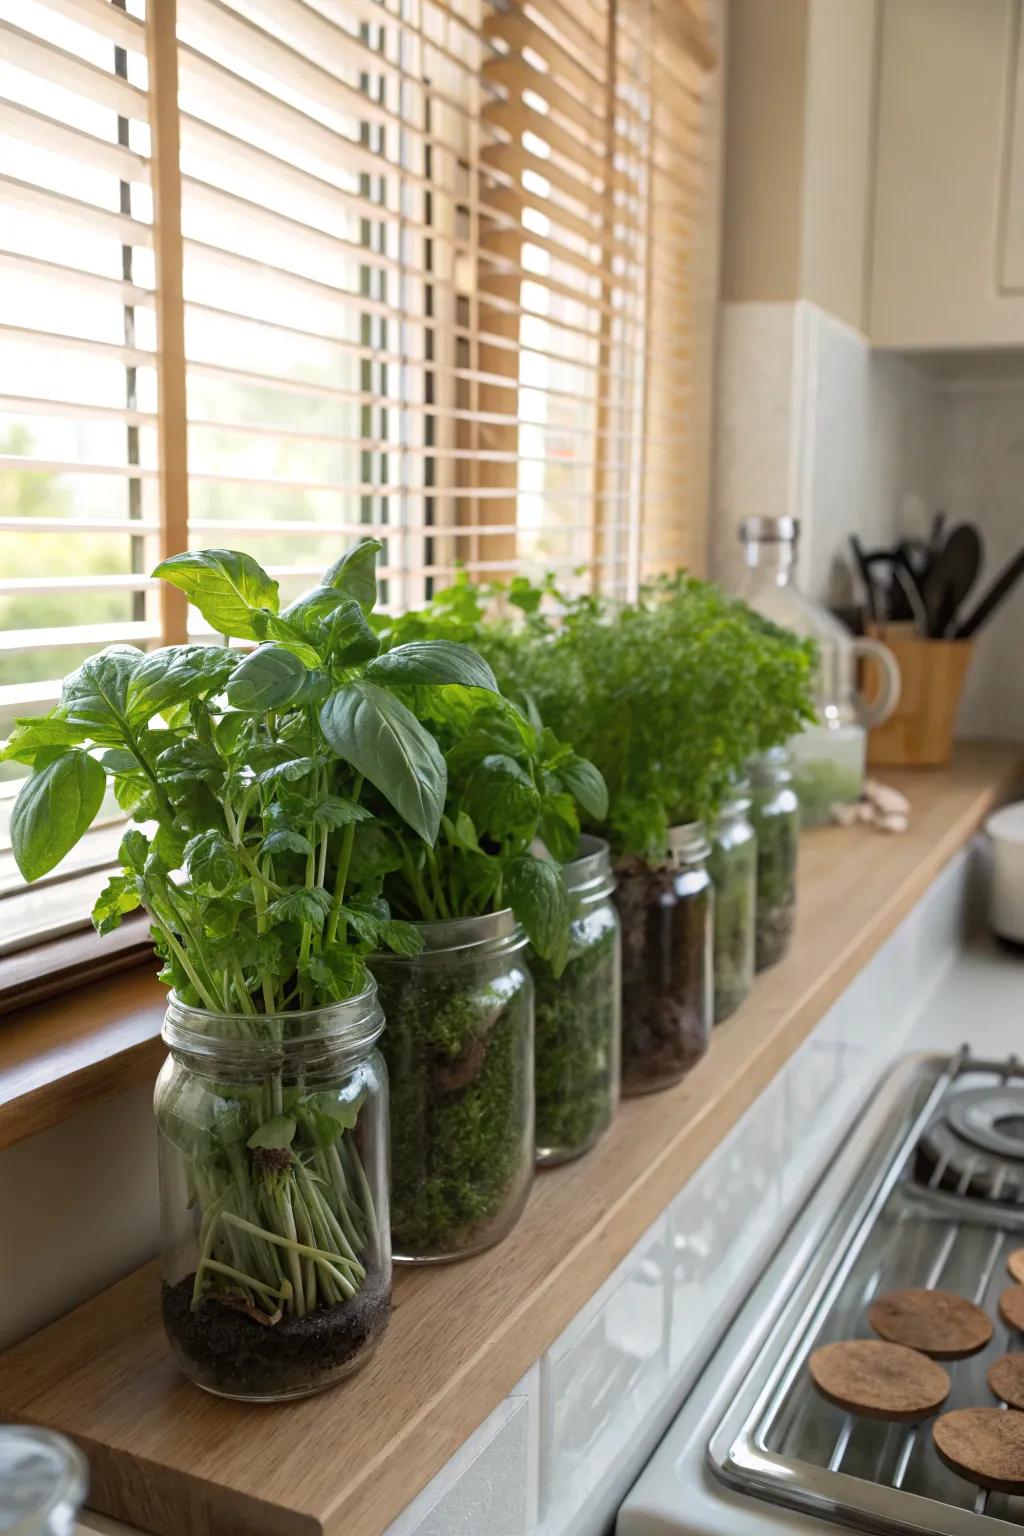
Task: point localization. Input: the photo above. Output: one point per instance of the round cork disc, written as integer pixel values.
(1006, 1379)
(984, 1445)
(879, 1381)
(1015, 1265)
(939, 1324)
(1011, 1307)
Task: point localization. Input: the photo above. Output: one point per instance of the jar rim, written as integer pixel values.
(351, 1024)
(495, 931)
(592, 867)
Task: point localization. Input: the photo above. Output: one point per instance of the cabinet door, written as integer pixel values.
(1012, 275)
(948, 257)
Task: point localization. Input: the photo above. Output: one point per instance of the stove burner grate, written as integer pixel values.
(975, 1145)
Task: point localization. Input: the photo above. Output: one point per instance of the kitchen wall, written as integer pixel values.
(815, 424)
(978, 449)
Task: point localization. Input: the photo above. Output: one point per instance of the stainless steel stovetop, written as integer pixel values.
(939, 1203)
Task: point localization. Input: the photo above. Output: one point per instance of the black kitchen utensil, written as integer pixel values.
(950, 577)
(861, 561)
(1000, 588)
(935, 539)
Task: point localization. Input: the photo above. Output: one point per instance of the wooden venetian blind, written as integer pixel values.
(442, 282)
(277, 273)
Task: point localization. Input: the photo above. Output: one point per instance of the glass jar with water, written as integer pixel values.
(829, 756)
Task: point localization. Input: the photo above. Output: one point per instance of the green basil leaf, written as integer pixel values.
(227, 586)
(383, 740)
(53, 809)
(501, 798)
(586, 784)
(119, 896)
(433, 662)
(536, 893)
(213, 865)
(560, 827)
(285, 841)
(461, 832)
(334, 811)
(290, 772)
(402, 938)
(175, 674)
(356, 573)
(268, 678)
(33, 735)
(134, 851)
(302, 906)
(274, 1134)
(95, 697)
(333, 622)
(366, 927)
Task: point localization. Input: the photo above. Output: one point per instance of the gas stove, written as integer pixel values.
(927, 1191)
(941, 1205)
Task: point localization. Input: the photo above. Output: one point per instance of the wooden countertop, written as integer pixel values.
(170, 1459)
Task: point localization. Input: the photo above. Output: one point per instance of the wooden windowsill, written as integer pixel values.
(85, 1045)
(168, 1458)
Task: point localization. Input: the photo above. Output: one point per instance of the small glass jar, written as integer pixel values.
(667, 925)
(274, 1195)
(578, 1016)
(459, 1049)
(43, 1482)
(733, 866)
(776, 816)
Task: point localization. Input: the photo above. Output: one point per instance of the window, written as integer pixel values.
(280, 272)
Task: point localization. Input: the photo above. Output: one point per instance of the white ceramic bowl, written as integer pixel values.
(1005, 828)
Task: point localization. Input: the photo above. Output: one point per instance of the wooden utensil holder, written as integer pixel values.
(919, 732)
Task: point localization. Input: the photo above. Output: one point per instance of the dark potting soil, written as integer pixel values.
(226, 1351)
(666, 1023)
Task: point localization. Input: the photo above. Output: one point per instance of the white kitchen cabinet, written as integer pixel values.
(948, 236)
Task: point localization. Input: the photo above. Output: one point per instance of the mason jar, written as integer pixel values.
(274, 1195)
(578, 1015)
(459, 1049)
(43, 1481)
(733, 866)
(775, 814)
(667, 916)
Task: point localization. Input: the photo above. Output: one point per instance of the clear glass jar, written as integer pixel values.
(274, 1195)
(667, 918)
(776, 816)
(578, 1016)
(43, 1482)
(459, 1049)
(829, 755)
(733, 867)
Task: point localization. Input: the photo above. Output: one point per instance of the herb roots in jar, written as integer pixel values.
(459, 1057)
(666, 974)
(576, 1068)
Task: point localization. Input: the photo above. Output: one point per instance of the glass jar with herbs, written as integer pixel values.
(459, 1050)
(733, 866)
(273, 1185)
(578, 1013)
(667, 915)
(775, 813)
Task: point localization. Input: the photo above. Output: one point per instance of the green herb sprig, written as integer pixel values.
(255, 773)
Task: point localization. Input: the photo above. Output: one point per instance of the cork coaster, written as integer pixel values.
(1006, 1379)
(1015, 1265)
(984, 1445)
(939, 1324)
(879, 1381)
(1011, 1307)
